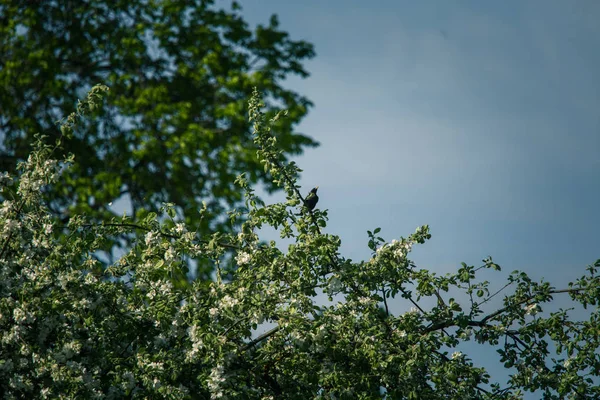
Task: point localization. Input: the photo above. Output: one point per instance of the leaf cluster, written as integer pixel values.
(174, 130)
(295, 323)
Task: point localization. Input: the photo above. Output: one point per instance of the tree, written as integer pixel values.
(72, 329)
(174, 130)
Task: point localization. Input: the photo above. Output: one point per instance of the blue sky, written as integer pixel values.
(480, 119)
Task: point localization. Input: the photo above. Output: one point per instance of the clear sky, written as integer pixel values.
(481, 119)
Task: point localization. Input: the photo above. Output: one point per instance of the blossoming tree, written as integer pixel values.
(298, 323)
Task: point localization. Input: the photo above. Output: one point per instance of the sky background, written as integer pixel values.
(480, 119)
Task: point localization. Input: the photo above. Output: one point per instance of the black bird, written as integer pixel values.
(311, 199)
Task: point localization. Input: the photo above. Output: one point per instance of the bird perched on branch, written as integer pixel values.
(311, 199)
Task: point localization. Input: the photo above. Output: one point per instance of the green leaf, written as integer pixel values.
(173, 126)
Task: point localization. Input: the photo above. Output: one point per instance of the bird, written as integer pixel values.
(311, 199)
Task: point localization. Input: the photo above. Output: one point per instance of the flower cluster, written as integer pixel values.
(73, 325)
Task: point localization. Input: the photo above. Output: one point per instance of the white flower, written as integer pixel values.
(531, 309)
(7, 206)
(156, 383)
(216, 378)
(414, 310)
(213, 312)
(169, 254)
(165, 288)
(19, 315)
(48, 228)
(5, 178)
(242, 258)
(10, 225)
(180, 228)
(399, 253)
(194, 333)
(228, 302)
(456, 354)
(466, 334)
(156, 366)
(90, 279)
(191, 354)
(27, 184)
(365, 300)
(159, 289)
(402, 334)
(45, 392)
(150, 238)
(257, 318)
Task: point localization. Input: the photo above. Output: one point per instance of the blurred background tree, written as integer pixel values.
(174, 126)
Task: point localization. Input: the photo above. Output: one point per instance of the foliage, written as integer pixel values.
(180, 73)
(72, 329)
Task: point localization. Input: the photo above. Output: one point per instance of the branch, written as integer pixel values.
(146, 229)
(496, 293)
(262, 337)
(387, 310)
(484, 321)
(528, 299)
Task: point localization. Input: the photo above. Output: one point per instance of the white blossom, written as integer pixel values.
(20, 316)
(466, 334)
(380, 249)
(242, 258)
(159, 289)
(215, 381)
(365, 300)
(7, 206)
(156, 383)
(45, 392)
(170, 254)
(47, 228)
(156, 366)
(180, 228)
(567, 363)
(28, 184)
(11, 225)
(5, 178)
(456, 355)
(150, 238)
(229, 302)
(197, 343)
(257, 318)
(531, 309)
